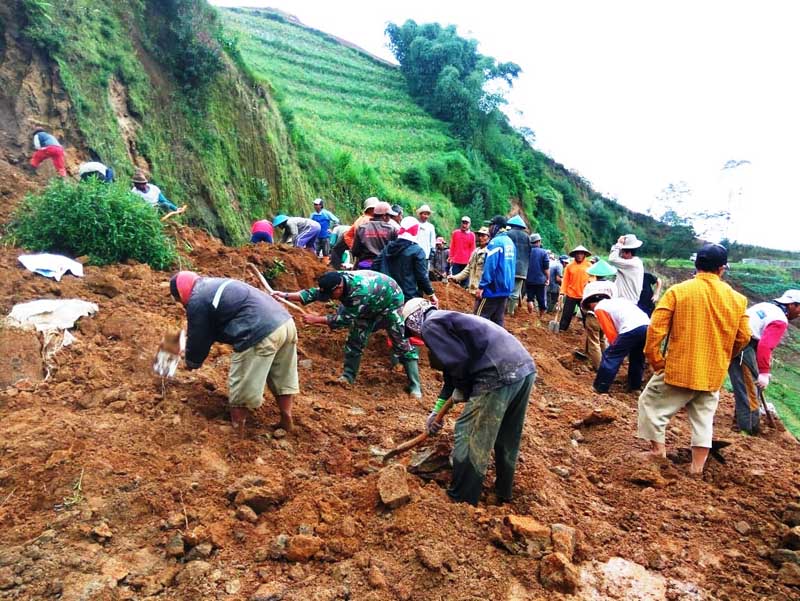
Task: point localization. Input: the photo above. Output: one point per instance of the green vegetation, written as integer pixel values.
(102, 221)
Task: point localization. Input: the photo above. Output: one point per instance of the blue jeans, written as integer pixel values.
(631, 345)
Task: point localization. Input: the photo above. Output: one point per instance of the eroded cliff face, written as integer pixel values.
(108, 91)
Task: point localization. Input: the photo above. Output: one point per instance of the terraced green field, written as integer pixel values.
(340, 98)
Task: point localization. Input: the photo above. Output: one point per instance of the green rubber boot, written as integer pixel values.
(414, 387)
(350, 371)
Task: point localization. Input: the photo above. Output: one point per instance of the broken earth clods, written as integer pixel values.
(556, 573)
(393, 486)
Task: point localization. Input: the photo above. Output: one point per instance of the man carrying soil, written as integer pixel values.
(750, 370)
(488, 369)
(369, 301)
(704, 324)
(262, 334)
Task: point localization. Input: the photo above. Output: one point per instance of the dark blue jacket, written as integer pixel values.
(242, 318)
(522, 244)
(499, 268)
(475, 354)
(538, 266)
(405, 262)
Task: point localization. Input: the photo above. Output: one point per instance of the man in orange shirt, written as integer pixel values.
(572, 284)
(704, 324)
(345, 241)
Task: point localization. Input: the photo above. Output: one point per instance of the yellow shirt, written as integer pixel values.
(575, 279)
(704, 323)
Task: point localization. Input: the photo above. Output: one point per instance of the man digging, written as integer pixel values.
(261, 332)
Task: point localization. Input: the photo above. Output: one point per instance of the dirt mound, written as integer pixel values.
(114, 487)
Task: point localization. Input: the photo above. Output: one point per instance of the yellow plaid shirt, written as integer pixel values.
(704, 324)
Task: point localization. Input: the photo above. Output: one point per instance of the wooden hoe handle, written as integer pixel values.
(419, 439)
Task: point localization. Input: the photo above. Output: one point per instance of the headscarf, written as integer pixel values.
(409, 228)
(181, 284)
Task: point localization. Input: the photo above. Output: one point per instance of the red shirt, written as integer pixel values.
(262, 226)
(461, 246)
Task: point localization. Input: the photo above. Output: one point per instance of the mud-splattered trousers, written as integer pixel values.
(743, 372)
(490, 420)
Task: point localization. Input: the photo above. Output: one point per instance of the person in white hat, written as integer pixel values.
(427, 233)
(630, 270)
(750, 370)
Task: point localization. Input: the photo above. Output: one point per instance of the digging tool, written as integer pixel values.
(269, 289)
(417, 440)
(763, 400)
(553, 324)
(172, 214)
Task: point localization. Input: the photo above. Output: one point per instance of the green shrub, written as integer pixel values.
(416, 178)
(103, 221)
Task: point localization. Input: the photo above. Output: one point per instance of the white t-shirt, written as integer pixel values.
(152, 194)
(763, 314)
(624, 313)
(426, 237)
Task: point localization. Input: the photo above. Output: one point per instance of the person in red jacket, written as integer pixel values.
(462, 243)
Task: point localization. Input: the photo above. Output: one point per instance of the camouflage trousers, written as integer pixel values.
(392, 321)
(492, 420)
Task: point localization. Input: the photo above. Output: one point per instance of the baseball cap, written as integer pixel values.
(498, 220)
(789, 297)
(466, 218)
(327, 282)
(318, 201)
(370, 203)
(711, 257)
(383, 208)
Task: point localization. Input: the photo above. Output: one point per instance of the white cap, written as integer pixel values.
(789, 297)
(318, 201)
(466, 218)
(424, 209)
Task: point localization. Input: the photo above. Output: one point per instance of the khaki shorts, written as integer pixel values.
(271, 362)
(659, 401)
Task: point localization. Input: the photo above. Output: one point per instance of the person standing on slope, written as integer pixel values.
(474, 270)
(462, 243)
(373, 236)
(701, 323)
(538, 277)
(345, 241)
(750, 370)
(326, 221)
(630, 270)
(516, 231)
(48, 147)
(556, 277)
(497, 281)
(572, 284)
(261, 231)
(651, 292)
(427, 232)
(488, 369)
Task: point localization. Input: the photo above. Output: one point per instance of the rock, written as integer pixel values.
(246, 514)
(21, 358)
(105, 284)
(648, 477)
(530, 536)
(604, 415)
(277, 548)
(376, 579)
(102, 532)
(302, 547)
(577, 436)
(556, 573)
(201, 551)
(114, 568)
(233, 586)
(271, 591)
(564, 539)
(781, 556)
(117, 406)
(560, 470)
(393, 487)
(742, 527)
(279, 433)
(791, 540)
(202, 534)
(193, 571)
(88, 401)
(175, 546)
(6, 579)
(791, 515)
(175, 520)
(261, 498)
(437, 558)
(789, 574)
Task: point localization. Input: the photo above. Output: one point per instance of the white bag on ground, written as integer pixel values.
(51, 266)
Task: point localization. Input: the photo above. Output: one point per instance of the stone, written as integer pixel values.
(233, 586)
(277, 548)
(650, 476)
(193, 571)
(604, 415)
(102, 531)
(530, 536)
(136, 272)
(560, 470)
(279, 433)
(556, 573)
(246, 514)
(261, 498)
(577, 436)
(781, 556)
(175, 546)
(376, 579)
(437, 558)
(789, 574)
(564, 539)
(201, 551)
(791, 540)
(271, 591)
(393, 486)
(302, 547)
(175, 520)
(114, 568)
(742, 527)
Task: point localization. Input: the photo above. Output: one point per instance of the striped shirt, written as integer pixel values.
(704, 324)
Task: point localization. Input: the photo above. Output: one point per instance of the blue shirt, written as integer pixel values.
(324, 218)
(499, 268)
(538, 266)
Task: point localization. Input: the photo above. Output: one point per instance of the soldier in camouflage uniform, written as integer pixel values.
(370, 301)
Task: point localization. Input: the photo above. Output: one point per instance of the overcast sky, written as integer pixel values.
(636, 95)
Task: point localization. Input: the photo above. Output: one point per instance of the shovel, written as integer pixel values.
(553, 324)
(770, 419)
(417, 440)
(269, 289)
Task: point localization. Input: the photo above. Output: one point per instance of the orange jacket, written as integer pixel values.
(575, 279)
(350, 235)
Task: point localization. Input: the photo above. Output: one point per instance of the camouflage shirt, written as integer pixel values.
(367, 295)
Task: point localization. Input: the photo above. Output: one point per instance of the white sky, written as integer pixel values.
(635, 95)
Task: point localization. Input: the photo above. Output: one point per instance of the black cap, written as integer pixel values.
(711, 257)
(327, 282)
(397, 209)
(498, 220)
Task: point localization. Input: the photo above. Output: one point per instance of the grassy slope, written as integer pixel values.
(227, 157)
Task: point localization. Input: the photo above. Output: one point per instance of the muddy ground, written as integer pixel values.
(114, 487)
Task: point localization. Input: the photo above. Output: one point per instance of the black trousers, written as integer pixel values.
(568, 312)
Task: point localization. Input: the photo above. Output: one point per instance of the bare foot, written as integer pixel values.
(287, 422)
